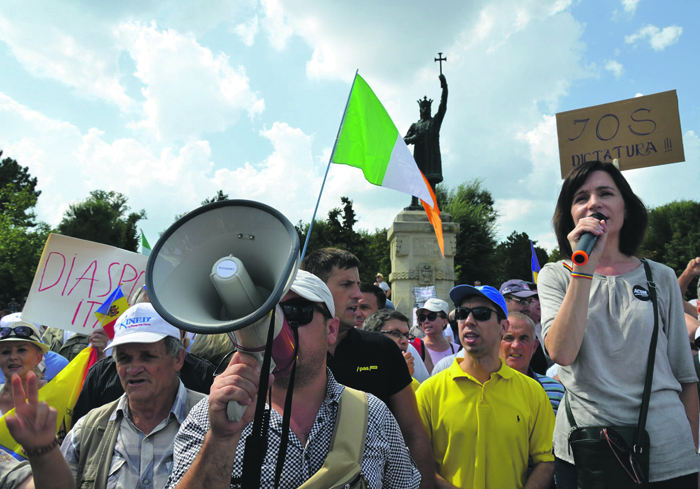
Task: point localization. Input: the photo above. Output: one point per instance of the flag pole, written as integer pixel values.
(330, 160)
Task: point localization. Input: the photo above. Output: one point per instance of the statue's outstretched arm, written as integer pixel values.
(443, 101)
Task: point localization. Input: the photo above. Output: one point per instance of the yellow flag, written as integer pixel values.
(61, 393)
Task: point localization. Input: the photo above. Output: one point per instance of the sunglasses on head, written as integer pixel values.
(518, 300)
(24, 332)
(481, 313)
(430, 317)
(301, 312)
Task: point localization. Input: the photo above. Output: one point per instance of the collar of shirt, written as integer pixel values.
(326, 411)
(455, 371)
(177, 410)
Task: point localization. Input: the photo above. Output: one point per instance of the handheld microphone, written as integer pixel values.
(585, 244)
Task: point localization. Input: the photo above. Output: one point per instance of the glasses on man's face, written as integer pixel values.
(518, 300)
(24, 332)
(396, 334)
(300, 312)
(481, 313)
(623, 455)
(431, 316)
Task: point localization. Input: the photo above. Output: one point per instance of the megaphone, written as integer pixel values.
(223, 268)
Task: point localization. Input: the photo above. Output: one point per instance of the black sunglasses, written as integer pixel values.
(430, 317)
(24, 332)
(481, 313)
(398, 335)
(301, 312)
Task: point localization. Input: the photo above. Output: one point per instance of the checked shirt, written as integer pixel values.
(386, 462)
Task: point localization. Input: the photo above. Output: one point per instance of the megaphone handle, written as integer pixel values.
(235, 410)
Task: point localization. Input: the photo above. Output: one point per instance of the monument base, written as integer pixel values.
(416, 259)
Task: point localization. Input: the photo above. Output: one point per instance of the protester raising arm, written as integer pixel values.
(34, 427)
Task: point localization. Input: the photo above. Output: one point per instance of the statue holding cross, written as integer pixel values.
(425, 136)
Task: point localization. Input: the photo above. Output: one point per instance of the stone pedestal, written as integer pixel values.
(416, 259)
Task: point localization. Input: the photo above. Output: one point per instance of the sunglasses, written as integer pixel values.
(481, 313)
(518, 300)
(398, 335)
(301, 312)
(24, 332)
(623, 455)
(430, 317)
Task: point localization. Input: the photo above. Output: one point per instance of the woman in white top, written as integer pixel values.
(21, 350)
(597, 322)
(432, 318)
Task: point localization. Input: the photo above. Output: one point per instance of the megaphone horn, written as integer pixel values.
(223, 268)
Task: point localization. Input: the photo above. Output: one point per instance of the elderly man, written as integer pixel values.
(517, 347)
(366, 361)
(209, 449)
(129, 442)
(480, 409)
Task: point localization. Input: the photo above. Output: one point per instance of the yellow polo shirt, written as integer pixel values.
(482, 434)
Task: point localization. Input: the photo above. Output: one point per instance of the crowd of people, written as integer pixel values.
(481, 392)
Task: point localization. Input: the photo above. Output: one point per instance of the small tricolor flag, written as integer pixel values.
(145, 247)
(111, 309)
(369, 140)
(534, 263)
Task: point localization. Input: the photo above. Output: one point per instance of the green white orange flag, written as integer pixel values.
(369, 140)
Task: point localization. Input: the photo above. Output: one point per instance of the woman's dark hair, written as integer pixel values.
(636, 219)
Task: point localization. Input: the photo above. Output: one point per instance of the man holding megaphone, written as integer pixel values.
(209, 448)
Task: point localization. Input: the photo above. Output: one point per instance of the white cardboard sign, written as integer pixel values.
(74, 278)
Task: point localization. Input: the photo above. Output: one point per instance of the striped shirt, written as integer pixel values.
(555, 391)
(140, 461)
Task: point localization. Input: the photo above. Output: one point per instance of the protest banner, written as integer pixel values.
(74, 277)
(638, 132)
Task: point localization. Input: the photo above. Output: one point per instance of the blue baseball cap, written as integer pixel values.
(461, 292)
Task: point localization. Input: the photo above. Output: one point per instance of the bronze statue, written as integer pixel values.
(425, 136)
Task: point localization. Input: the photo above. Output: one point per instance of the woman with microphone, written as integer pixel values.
(598, 320)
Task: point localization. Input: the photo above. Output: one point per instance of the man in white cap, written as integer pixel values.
(129, 442)
(209, 449)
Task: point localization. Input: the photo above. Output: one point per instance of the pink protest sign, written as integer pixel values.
(74, 277)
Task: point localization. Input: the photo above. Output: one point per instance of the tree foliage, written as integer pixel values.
(338, 231)
(473, 208)
(514, 256)
(103, 217)
(21, 237)
(218, 197)
(673, 236)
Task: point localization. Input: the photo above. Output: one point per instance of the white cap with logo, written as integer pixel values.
(142, 324)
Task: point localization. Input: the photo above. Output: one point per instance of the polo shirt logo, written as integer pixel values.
(366, 369)
(640, 293)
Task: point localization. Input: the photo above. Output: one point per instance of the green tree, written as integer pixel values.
(103, 217)
(21, 237)
(514, 256)
(473, 208)
(12, 173)
(218, 197)
(673, 236)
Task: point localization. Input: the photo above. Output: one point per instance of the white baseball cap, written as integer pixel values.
(436, 305)
(312, 288)
(142, 324)
(15, 316)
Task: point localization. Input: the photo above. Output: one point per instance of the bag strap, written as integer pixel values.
(641, 424)
(650, 363)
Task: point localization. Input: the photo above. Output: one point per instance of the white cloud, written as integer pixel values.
(85, 59)
(189, 90)
(615, 68)
(659, 39)
(276, 24)
(630, 6)
(248, 30)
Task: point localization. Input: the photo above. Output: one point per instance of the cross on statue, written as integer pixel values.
(440, 59)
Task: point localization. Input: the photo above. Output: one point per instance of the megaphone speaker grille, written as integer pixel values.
(178, 275)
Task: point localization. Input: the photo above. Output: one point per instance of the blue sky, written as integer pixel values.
(169, 101)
